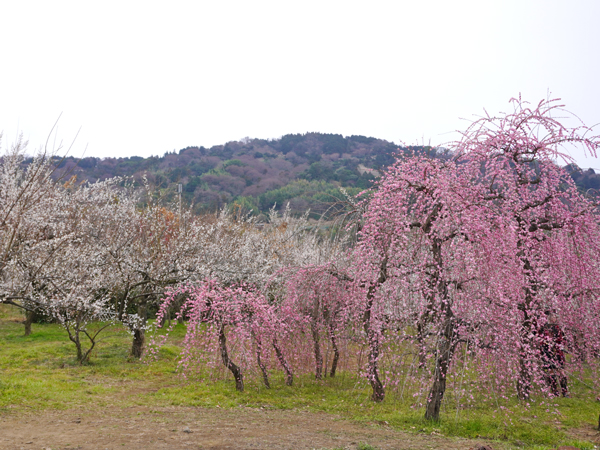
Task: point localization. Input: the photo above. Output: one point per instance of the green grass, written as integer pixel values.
(40, 372)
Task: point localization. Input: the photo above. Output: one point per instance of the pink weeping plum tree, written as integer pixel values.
(414, 246)
(317, 304)
(221, 317)
(539, 240)
(479, 246)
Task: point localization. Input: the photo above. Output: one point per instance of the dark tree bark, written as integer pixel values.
(75, 339)
(289, 376)
(422, 345)
(75, 331)
(261, 365)
(445, 351)
(122, 302)
(373, 338)
(527, 326)
(233, 368)
(336, 351)
(137, 347)
(378, 394)
(139, 335)
(447, 335)
(524, 381)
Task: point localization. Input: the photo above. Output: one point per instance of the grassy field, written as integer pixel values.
(40, 372)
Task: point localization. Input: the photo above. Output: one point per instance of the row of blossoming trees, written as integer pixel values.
(88, 253)
(448, 265)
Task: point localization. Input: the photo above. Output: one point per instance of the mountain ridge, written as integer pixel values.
(304, 170)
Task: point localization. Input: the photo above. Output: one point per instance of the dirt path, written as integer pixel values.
(197, 428)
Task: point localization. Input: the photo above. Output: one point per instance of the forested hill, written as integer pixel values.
(305, 170)
(302, 169)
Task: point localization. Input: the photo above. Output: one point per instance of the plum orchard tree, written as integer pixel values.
(27, 224)
(68, 274)
(237, 314)
(315, 305)
(477, 247)
(50, 261)
(139, 252)
(411, 246)
(76, 282)
(539, 241)
(150, 250)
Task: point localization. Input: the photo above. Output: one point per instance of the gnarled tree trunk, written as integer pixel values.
(336, 351)
(259, 361)
(447, 335)
(233, 368)
(289, 376)
(524, 381)
(139, 335)
(445, 350)
(527, 326)
(373, 338)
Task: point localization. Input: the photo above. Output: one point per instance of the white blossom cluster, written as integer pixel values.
(83, 253)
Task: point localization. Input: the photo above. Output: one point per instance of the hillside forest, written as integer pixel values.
(304, 170)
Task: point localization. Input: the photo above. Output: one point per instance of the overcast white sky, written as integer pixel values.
(143, 78)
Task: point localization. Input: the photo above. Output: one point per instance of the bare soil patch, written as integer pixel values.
(202, 428)
(586, 433)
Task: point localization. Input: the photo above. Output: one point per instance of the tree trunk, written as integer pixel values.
(422, 323)
(317, 349)
(121, 302)
(79, 351)
(525, 349)
(139, 335)
(261, 365)
(137, 347)
(166, 318)
(235, 370)
(336, 352)
(29, 319)
(445, 351)
(378, 391)
(373, 370)
(373, 338)
(289, 376)
(74, 330)
(74, 337)
(447, 338)
(529, 324)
